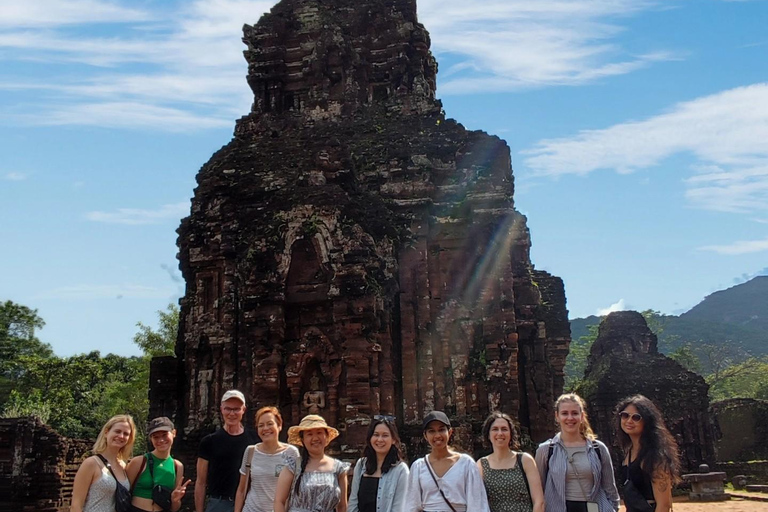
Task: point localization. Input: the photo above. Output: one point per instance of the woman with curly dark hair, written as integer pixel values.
(651, 465)
(511, 479)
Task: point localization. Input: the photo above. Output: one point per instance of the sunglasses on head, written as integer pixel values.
(635, 417)
(384, 417)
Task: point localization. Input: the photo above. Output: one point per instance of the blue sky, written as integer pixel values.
(638, 132)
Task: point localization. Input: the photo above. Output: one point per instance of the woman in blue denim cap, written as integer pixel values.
(381, 477)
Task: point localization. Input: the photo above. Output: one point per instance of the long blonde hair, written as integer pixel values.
(585, 429)
(100, 446)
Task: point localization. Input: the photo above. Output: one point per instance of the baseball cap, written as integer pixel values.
(436, 416)
(233, 393)
(159, 424)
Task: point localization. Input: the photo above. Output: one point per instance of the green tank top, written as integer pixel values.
(165, 474)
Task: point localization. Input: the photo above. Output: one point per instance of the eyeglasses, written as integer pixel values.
(384, 417)
(624, 415)
(230, 410)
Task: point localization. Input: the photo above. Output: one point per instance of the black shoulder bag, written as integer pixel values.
(633, 498)
(122, 495)
(161, 495)
(437, 484)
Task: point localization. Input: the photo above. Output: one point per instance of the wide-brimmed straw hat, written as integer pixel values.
(308, 422)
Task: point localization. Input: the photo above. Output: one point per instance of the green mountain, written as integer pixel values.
(736, 317)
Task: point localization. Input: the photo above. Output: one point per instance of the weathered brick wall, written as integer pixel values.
(37, 466)
(743, 429)
(353, 247)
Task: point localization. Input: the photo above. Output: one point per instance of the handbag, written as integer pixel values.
(633, 498)
(122, 494)
(161, 495)
(438, 485)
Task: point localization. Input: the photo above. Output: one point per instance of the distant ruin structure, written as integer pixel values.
(625, 360)
(352, 252)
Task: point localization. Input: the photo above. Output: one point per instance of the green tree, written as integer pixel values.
(163, 341)
(576, 362)
(747, 379)
(17, 340)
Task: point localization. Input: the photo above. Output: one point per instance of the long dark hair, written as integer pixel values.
(394, 456)
(514, 442)
(658, 448)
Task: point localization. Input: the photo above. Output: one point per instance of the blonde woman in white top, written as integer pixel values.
(262, 464)
(94, 486)
(444, 480)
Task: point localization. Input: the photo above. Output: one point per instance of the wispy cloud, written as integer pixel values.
(617, 306)
(44, 13)
(15, 176)
(134, 216)
(516, 44)
(195, 64)
(738, 248)
(123, 291)
(724, 132)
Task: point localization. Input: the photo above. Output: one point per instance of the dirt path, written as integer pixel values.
(733, 505)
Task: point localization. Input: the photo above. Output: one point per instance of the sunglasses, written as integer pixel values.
(384, 417)
(624, 415)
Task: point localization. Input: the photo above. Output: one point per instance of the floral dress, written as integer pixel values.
(319, 491)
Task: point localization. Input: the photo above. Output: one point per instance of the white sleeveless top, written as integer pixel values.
(101, 494)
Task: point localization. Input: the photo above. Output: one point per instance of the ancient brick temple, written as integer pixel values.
(624, 361)
(353, 252)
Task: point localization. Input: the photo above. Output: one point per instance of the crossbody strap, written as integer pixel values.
(525, 477)
(578, 477)
(251, 453)
(107, 465)
(437, 484)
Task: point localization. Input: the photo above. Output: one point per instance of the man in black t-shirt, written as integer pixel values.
(220, 456)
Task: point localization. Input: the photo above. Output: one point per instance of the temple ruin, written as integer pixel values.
(352, 251)
(625, 360)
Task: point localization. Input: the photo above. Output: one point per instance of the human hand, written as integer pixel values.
(178, 492)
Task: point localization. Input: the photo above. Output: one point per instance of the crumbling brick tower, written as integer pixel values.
(352, 252)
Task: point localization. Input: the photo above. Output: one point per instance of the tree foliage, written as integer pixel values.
(77, 394)
(576, 362)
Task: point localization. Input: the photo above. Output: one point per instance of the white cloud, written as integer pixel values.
(724, 132)
(618, 306)
(517, 44)
(42, 13)
(125, 291)
(15, 176)
(134, 216)
(738, 248)
(195, 64)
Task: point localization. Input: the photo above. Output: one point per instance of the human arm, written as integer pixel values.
(542, 453)
(201, 484)
(358, 474)
(83, 480)
(283, 489)
(607, 478)
(413, 500)
(534, 482)
(662, 490)
(474, 487)
(181, 487)
(343, 483)
(398, 502)
(480, 468)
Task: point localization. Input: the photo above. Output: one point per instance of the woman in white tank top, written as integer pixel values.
(94, 486)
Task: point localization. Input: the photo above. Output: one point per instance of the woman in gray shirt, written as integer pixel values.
(381, 477)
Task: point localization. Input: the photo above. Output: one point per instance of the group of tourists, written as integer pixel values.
(572, 472)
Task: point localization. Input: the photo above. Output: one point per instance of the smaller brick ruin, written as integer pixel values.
(624, 361)
(37, 466)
